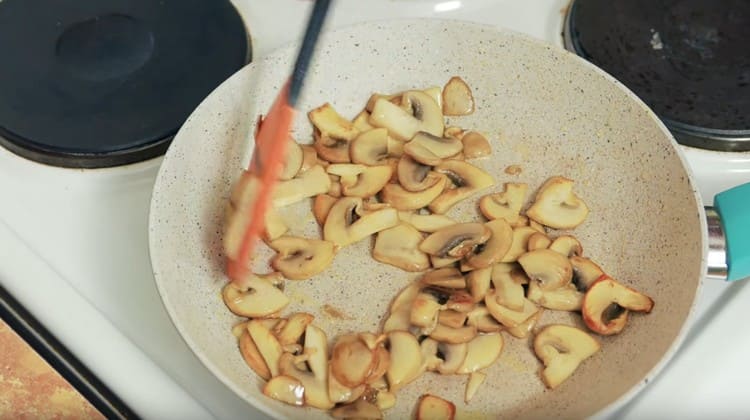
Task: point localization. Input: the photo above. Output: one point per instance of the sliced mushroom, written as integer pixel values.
(495, 248)
(406, 359)
(307, 184)
(367, 180)
(309, 157)
(566, 298)
(321, 206)
(359, 409)
(400, 310)
(519, 245)
(433, 408)
(314, 381)
(424, 310)
(293, 161)
(429, 351)
(440, 262)
(385, 399)
(468, 180)
(423, 115)
(478, 283)
(351, 360)
(252, 356)
(402, 199)
(538, 226)
(449, 278)
(476, 379)
(523, 329)
(585, 272)
(506, 205)
(423, 107)
(335, 190)
(330, 148)
(455, 241)
(562, 348)
(294, 328)
(393, 98)
(482, 351)
(548, 267)
(257, 297)
(428, 223)
(436, 94)
(348, 223)
(268, 345)
(567, 245)
(475, 145)
(382, 362)
(521, 221)
(361, 121)
(557, 206)
(481, 318)
(275, 226)
(327, 120)
(414, 176)
(370, 147)
(285, 389)
(508, 291)
(607, 303)
(398, 246)
(538, 240)
(453, 357)
(301, 258)
(457, 97)
(460, 300)
(506, 316)
(339, 393)
(446, 334)
(395, 147)
(430, 149)
(451, 318)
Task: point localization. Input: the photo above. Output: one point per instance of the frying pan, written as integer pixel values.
(543, 109)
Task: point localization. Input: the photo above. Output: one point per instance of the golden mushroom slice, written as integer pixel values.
(475, 145)
(267, 344)
(455, 241)
(509, 291)
(309, 157)
(436, 93)
(252, 356)
(294, 328)
(418, 112)
(457, 97)
(361, 121)
(398, 246)
(507, 316)
(360, 180)
(427, 223)
(446, 334)
(566, 298)
(429, 149)
(451, 318)
(424, 310)
(557, 206)
(440, 262)
(607, 303)
(467, 179)
(314, 381)
(478, 283)
(301, 258)
(351, 360)
(548, 267)
(585, 272)
(481, 318)
(258, 297)
(321, 206)
(495, 248)
(285, 389)
(453, 356)
(307, 184)
(567, 245)
(476, 379)
(519, 244)
(331, 149)
(360, 409)
(400, 310)
(523, 329)
(562, 348)
(538, 241)
(412, 175)
(394, 98)
(348, 222)
(406, 359)
(293, 162)
(403, 199)
(482, 351)
(434, 408)
(327, 120)
(447, 278)
(506, 205)
(370, 147)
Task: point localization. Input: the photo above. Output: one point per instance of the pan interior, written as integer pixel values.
(542, 108)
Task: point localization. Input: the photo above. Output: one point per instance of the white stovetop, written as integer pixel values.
(74, 250)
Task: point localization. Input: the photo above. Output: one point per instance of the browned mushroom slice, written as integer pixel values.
(455, 241)
(370, 147)
(457, 97)
(331, 149)
(433, 408)
(468, 180)
(567, 245)
(398, 246)
(607, 303)
(424, 310)
(394, 98)
(414, 176)
(449, 278)
(460, 300)
(315, 380)
(361, 121)
(252, 356)
(548, 267)
(440, 262)
(307, 184)
(446, 334)
(585, 272)
(301, 258)
(483, 350)
(506, 205)
(296, 325)
(478, 283)
(495, 248)
(348, 223)
(267, 344)
(402, 199)
(351, 360)
(557, 206)
(285, 389)
(321, 206)
(508, 290)
(418, 112)
(538, 241)
(406, 359)
(475, 145)
(258, 297)
(519, 244)
(451, 318)
(427, 223)
(429, 149)
(339, 393)
(359, 180)
(327, 120)
(562, 348)
(506, 316)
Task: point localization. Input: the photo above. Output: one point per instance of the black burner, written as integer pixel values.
(689, 60)
(95, 83)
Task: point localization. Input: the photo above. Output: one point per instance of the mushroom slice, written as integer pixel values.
(267, 344)
(275, 226)
(367, 180)
(538, 240)
(506, 316)
(476, 379)
(406, 359)
(606, 305)
(446, 334)
(370, 147)
(523, 329)
(348, 223)
(400, 310)
(321, 206)
(451, 318)
(361, 121)
(382, 362)
(460, 300)
(551, 269)
(562, 348)
(359, 409)
(414, 176)
(331, 149)
(338, 393)
(385, 399)
(285, 389)
(495, 248)
(448, 278)
(428, 223)
(296, 325)
(436, 93)
(309, 157)
(301, 258)
(455, 241)
(585, 272)
(519, 245)
(557, 206)
(393, 98)
(418, 112)
(398, 246)
(395, 147)
(566, 298)
(506, 205)
(433, 408)
(307, 184)
(453, 355)
(252, 356)
(440, 262)
(521, 221)
(508, 290)
(538, 226)
(567, 245)
(429, 350)
(482, 351)
(351, 360)
(424, 310)
(475, 145)
(478, 283)
(429, 149)
(468, 180)
(402, 199)
(293, 162)
(457, 97)
(257, 297)
(327, 120)
(314, 381)
(481, 318)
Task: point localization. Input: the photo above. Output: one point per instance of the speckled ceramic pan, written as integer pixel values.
(543, 109)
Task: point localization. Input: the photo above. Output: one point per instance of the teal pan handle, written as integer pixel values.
(729, 227)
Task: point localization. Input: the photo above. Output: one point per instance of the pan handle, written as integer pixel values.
(729, 234)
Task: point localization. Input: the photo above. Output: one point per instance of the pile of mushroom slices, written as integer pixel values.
(392, 173)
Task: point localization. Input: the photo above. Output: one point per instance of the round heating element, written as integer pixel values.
(689, 60)
(97, 83)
